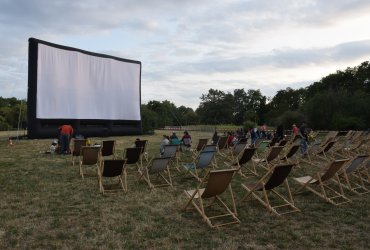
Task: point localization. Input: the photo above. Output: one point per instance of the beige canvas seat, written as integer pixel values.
(319, 183)
(172, 151)
(112, 169)
(90, 156)
(213, 185)
(76, 146)
(267, 186)
(157, 167)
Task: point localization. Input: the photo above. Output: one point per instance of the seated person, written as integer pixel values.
(186, 140)
(174, 139)
(165, 141)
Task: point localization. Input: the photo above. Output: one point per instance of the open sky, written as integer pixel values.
(189, 46)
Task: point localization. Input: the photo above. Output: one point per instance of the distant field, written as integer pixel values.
(46, 205)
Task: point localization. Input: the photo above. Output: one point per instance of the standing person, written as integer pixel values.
(280, 132)
(66, 132)
(304, 140)
(295, 130)
(215, 138)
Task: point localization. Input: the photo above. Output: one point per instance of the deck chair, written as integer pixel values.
(268, 185)
(237, 149)
(201, 144)
(108, 148)
(213, 185)
(324, 151)
(291, 154)
(243, 162)
(172, 151)
(282, 143)
(90, 156)
(270, 156)
(261, 147)
(159, 168)
(143, 145)
(200, 164)
(221, 144)
(351, 175)
(319, 183)
(273, 141)
(112, 169)
(76, 148)
(132, 157)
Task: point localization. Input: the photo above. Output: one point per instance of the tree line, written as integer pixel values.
(339, 101)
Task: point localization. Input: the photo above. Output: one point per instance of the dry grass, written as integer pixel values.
(45, 204)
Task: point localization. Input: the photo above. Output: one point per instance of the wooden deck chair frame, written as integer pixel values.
(172, 151)
(267, 185)
(76, 148)
(221, 145)
(202, 142)
(210, 147)
(351, 175)
(108, 148)
(319, 183)
(143, 144)
(158, 167)
(237, 149)
(110, 169)
(261, 147)
(243, 160)
(212, 186)
(201, 164)
(90, 156)
(132, 157)
(270, 156)
(290, 154)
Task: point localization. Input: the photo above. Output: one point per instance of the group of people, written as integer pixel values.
(185, 141)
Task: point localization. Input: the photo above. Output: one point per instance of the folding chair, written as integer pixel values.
(213, 185)
(90, 156)
(132, 157)
(143, 145)
(172, 151)
(201, 144)
(268, 184)
(221, 144)
(158, 167)
(291, 154)
(112, 169)
(261, 147)
(270, 156)
(319, 183)
(203, 161)
(108, 148)
(237, 149)
(351, 175)
(323, 151)
(76, 148)
(243, 159)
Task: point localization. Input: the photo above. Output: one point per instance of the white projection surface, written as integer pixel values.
(74, 85)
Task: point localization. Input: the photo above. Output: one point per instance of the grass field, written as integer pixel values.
(46, 205)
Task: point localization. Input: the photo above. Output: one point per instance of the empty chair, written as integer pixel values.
(201, 144)
(319, 183)
(221, 144)
(237, 149)
(351, 175)
(213, 185)
(143, 145)
(323, 151)
(77, 144)
(108, 148)
(243, 162)
(159, 168)
(112, 169)
(261, 147)
(268, 184)
(90, 156)
(132, 156)
(270, 156)
(199, 164)
(291, 154)
(172, 151)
